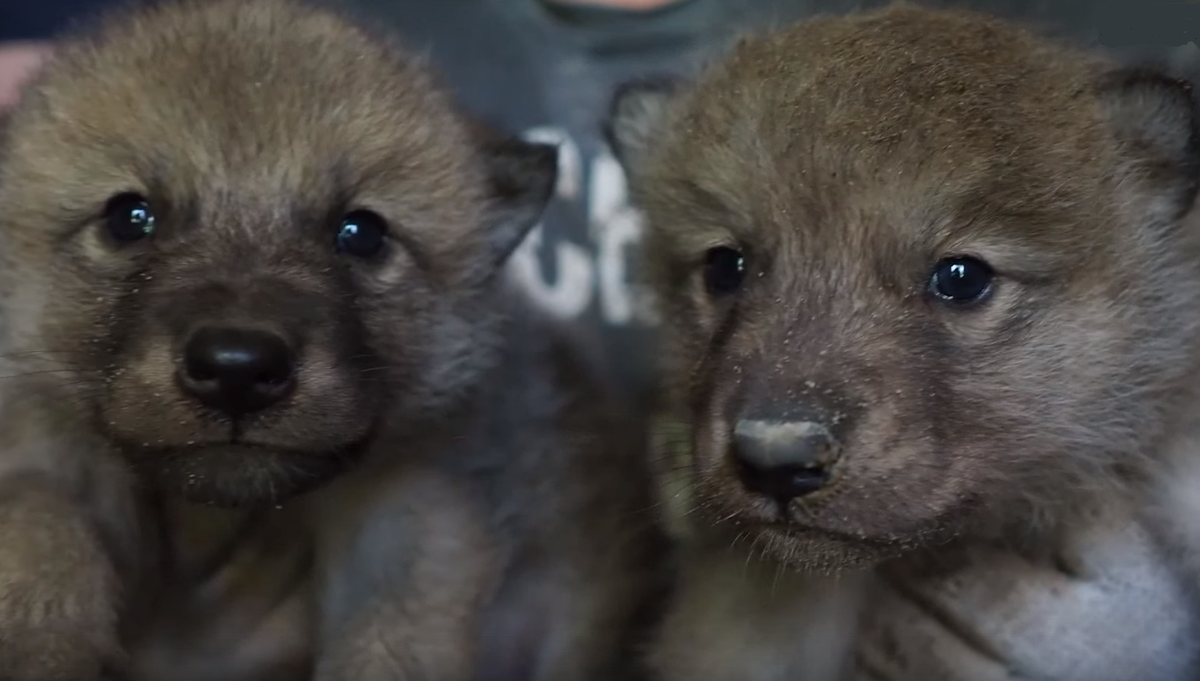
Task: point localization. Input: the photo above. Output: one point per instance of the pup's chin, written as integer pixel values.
(811, 550)
(800, 542)
(240, 475)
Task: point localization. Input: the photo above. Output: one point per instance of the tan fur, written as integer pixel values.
(486, 518)
(451, 569)
(543, 484)
(237, 603)
(844, 157)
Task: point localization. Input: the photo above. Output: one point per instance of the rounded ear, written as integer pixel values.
(1154, 115)
(636, 115)
(521, 177)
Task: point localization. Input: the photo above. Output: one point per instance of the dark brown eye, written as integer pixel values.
(724, 271)
(362, 234)
(128, 218)
(961, 280)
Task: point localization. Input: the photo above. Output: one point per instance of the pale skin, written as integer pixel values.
(18, 61)
(637, 5)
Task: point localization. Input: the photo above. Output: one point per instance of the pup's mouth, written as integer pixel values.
(240, 473)
(802, 535)
(812, 537)
(816, 549)
(712, 505)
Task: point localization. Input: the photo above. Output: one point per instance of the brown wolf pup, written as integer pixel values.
(247, 248)
(931, 290)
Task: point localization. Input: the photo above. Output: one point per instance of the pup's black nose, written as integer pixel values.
(239, 371)
(783, 460)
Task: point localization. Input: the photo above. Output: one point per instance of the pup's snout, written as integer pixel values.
(238, 371)
(783, 460)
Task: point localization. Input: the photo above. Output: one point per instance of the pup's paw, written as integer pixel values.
(58, 591)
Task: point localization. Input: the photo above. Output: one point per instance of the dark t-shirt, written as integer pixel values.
(547, 71)
(36, 20)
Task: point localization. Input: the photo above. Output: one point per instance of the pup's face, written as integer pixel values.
(237, 234)
(917, 271)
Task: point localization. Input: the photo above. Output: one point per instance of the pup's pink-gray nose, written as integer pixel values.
(783, 460)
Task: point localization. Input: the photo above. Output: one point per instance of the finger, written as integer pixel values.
(18, 63)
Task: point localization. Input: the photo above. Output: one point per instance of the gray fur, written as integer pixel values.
(454, 501)
(844, 157)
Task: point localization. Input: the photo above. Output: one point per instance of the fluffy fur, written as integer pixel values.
(843, 158)
(251, 129)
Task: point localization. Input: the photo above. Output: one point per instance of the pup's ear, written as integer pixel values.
(1154, 115)
(521, 177)
(636, 117)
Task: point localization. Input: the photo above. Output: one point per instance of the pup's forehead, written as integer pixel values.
(874, 78)
(915, 127)
(231, 87)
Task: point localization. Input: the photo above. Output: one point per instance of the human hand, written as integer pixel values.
(1107, 607)
(18, 62)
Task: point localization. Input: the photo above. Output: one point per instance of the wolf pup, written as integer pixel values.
(930, 284)
(248, 247)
